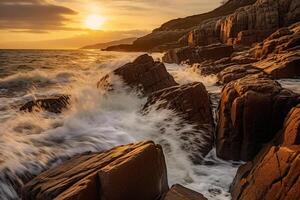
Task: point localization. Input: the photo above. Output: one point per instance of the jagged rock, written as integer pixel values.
(274, 174)
(198, 54)
(235, 72)
(290, 134)
(55, 104)
(134, 171)
(178, 192)
(143, 73)
(193, 103)
(251, 112)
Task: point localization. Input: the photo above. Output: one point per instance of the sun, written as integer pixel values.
(94, 22)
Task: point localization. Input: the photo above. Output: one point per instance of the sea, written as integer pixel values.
(95, 121)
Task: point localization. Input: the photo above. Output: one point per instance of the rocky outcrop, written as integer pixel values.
(55, 104)
(192, 102)
(134, 171)
(178, 192)
(251, 112)
(198, 54)
(279, 54)
(248, 24)
(171, 33)
(273, 174)
(143, 73)
(235, 72)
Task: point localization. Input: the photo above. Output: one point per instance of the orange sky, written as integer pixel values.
(63, 23)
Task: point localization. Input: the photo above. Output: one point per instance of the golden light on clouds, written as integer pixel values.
(94, 22)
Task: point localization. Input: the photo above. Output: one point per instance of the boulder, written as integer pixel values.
(192, 102)
(134, 171)
(273, 174)
(251, 112)
(198, 54)
(178, 192)
(235, 72)
(290, 134)
(55, 104)
(143, 73)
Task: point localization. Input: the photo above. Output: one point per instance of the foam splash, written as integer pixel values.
(34, 142)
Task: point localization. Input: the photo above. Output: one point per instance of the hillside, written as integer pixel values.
(107, 44)
(167, 35)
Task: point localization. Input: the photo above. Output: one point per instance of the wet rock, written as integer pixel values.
(198, 54)
(290, 135)
(134, 171)
(273, 174)
(238, 71)
(192, 102)
(55, 104)
(251, 112)
(143, 73)
(178, 192)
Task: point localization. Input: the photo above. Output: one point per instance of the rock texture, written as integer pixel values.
(290, 135)
(143, 73)
(279, 54)
(274, 174)
(248, 24)
(251, 112)
(192, 102)
(178, 192)
(134, 171)
(235, 72)
(198, 54)
(55, 104)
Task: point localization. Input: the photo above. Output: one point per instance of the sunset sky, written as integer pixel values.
(75, 23)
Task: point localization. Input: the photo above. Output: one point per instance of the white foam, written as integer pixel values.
(33, 142)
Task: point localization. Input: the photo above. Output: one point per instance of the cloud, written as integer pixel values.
(33, 15)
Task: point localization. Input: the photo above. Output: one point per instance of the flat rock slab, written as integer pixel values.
(178, 192)
(134, 171)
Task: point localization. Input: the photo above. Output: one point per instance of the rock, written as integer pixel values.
(274, 174)
(134, 171)
(290, 135)
(178, 192)
(198, 54)
(55, 104)
(279, 54)
(257, 21)
(235, 72)
(143, 73)
(193, 103)
(251, 112)
(283, 40)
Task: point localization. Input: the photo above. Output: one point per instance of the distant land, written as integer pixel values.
(111, 43)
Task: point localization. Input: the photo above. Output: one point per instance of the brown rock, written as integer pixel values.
(193, 103)
(198, 54)
(235, 72)
(55, 105)
(135, 171)
(290, 135)
(178, 192)
(251, 112)
(143, 73)
(274, 174)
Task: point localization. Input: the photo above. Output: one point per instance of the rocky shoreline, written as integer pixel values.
(257, 120)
